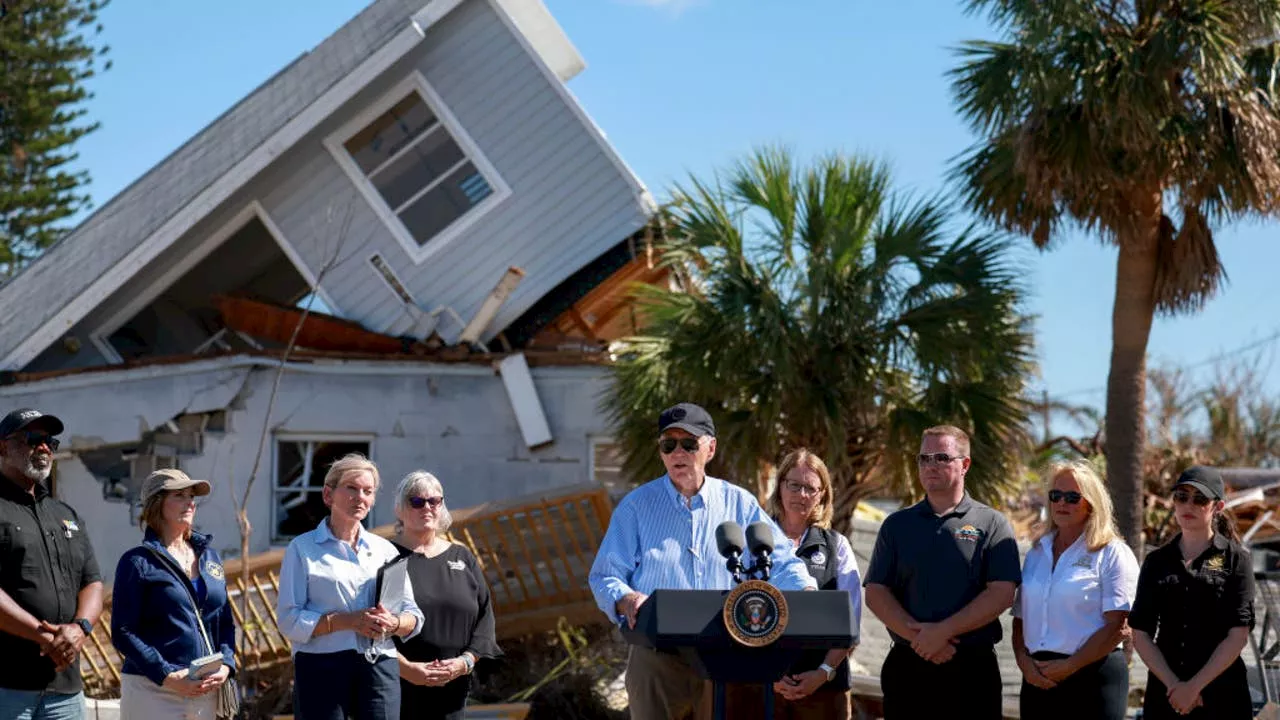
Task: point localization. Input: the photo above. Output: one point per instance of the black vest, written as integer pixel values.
(818, 552)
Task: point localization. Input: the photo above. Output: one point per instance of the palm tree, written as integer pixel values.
(818, 310)
(1145, 121)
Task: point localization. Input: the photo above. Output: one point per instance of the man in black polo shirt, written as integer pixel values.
(941, 574)
(50, 587)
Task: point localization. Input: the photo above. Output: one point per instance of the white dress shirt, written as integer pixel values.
(1062, 606)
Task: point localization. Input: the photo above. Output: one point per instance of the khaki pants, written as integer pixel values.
(141, 699)
(664, 687)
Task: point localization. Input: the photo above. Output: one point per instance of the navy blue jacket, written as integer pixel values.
(153, 624)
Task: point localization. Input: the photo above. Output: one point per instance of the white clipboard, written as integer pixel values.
(393, 578)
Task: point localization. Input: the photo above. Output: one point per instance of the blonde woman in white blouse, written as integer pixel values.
(1078, 584)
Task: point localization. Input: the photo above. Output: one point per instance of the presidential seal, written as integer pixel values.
(755, 613)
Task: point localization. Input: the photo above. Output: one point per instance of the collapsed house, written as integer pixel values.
(459, 234)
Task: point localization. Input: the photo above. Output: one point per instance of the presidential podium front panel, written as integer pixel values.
(751, 634)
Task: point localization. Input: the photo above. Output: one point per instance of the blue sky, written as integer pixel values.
(687, 86)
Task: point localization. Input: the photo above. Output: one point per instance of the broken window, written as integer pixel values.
(300, 465)
(419, 169)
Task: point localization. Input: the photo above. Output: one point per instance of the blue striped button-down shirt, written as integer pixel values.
(655, 540)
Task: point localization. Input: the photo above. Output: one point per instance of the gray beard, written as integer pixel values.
(34, 474)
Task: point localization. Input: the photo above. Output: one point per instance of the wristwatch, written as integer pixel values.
(830, 671)
(85, 625)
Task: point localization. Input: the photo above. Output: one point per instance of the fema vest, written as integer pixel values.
(818, 552)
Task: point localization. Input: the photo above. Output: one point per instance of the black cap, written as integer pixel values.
(23, 417)
(1205, 479)
(688, 417)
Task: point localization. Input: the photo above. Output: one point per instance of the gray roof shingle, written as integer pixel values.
(67, 269)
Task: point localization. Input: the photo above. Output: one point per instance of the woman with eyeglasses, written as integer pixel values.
(1194, 609)
(436, 665)
(344, 661)
(802, 503)
(1078, 584)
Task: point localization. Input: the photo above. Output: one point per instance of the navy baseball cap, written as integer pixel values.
(23, 418)
(1205, 479)
(688, 417)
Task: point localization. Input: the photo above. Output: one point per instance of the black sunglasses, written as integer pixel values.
(668, 445)
(936, 458)
(417, 503)
(35, 438)
(1070, 496)
(1182, 497)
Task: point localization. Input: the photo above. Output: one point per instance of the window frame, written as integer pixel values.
(300, 437)
(416, 82)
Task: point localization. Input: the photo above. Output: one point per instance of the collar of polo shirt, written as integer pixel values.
(966, 503)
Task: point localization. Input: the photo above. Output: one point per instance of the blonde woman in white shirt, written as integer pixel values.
(1078, 584)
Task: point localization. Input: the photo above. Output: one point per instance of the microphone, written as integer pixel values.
(760, 540)
(731, 542)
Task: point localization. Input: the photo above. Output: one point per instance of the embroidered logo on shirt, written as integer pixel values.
(456, 565)
(968, 532)
(214, 570)
(71, 526)
(1084, 561)
(818, 558)
(1214, 564)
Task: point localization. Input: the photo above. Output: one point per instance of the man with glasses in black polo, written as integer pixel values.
(50, 587)
(941, 573)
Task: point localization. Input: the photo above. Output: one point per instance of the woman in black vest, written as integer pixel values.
(818, 686)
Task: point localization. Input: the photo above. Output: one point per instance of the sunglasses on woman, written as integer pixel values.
(417, 503)
(1070, 497)
(1182, 497)
(669, 445)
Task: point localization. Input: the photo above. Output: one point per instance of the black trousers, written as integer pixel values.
(1099, 690)
(342, 685)
(915, 688)
(1226, 698)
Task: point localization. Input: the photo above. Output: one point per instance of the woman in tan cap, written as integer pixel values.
(175, 658)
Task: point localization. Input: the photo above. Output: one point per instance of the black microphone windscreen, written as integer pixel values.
(729, 538)
(760, 538)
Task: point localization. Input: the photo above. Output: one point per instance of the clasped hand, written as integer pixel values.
(438, 672)
(374, 622)
(932, 641)
(61, 643)
(800, 685)
(179, 683)
(1184, 697)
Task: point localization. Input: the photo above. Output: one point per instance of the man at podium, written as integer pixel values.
(662, 536)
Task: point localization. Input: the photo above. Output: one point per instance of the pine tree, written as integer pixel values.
(47, 52)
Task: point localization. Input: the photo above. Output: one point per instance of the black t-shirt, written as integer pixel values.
(451, 591)
(45, 560)
(1188, 611)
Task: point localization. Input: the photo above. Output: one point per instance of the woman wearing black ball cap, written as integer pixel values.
(1194, 608)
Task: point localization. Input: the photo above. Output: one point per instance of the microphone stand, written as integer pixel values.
(758, 571)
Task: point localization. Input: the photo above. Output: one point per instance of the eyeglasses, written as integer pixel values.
(937, 458)
(35, 438)
(1182, 497)
(417, 503)
(801, 489)
(668, 445)
(1071, 497)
